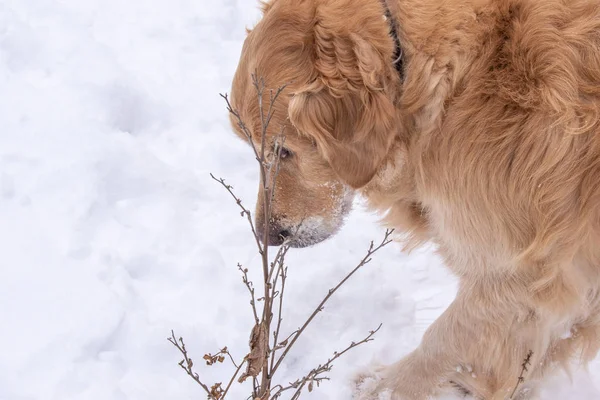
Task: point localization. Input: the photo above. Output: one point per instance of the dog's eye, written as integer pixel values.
(283, 152)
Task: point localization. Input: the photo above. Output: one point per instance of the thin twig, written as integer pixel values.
(237, 371)
(259, 85)
(287, 339)
(243, 127)
(254, 387)
(266, 170)
(526, 363)
(314, 374)
(257, 362)
(219, 357)
(267, 307)
(282, 272)
(245, 212)
(279, 257)
(278, 145)
(272, 101)
(366, 259)
(187, 364)
(250, 288)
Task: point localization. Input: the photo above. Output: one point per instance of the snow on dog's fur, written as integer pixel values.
(489, 147)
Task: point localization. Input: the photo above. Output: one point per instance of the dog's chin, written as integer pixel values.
(311, 234)
(299, 242)
(314, 230)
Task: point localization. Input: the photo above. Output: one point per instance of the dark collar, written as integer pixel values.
(398, 55)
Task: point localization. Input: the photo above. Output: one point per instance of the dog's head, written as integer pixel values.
(337, 110)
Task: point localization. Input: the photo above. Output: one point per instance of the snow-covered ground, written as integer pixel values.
(112, 232)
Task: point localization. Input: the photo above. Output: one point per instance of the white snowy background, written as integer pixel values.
(112, 232)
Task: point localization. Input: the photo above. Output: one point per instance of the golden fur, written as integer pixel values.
(490, 148)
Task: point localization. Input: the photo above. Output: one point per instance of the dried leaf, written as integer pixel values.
(216, 391)
(258, 352)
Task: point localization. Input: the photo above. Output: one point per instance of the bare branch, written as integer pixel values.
(243, 127)
(282, 272)
(314, 375)
(187, 364)
(263, 360)
(250, 288)
(219, 357)
(278, 260)
(366, 259)
(235, 374)
(245, 211)
(526, 363)
(259, 85)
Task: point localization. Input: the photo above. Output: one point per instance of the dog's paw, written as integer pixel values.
(369, 384)
(404, 380)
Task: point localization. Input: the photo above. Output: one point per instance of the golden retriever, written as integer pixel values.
(482, 137)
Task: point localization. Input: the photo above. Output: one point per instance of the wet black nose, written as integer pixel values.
(277, 237)
(277, 234)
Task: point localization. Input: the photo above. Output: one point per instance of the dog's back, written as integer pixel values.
(512, 176)
(509, 176)
(503, 144)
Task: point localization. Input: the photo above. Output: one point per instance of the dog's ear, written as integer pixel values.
(347, 109)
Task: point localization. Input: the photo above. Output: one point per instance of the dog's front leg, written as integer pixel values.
(478, 344)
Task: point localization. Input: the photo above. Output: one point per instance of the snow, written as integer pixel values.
(113, 232)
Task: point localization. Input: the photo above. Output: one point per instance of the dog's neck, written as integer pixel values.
(398, 53)
(437, 57)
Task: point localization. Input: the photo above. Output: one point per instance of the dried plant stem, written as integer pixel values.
(366, 259)
(250, 288)
(314, 374)
(282, 271)
(264, 358)
(269, 170)
(245, 212)
(235, 374)
(526, 363)
(187, 364)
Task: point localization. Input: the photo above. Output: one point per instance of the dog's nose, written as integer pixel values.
(277, 237)
(277, 234)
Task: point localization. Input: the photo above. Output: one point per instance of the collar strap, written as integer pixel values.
(398, 54)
